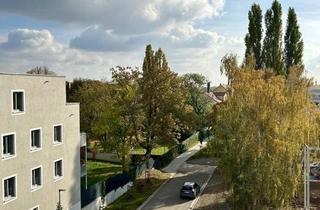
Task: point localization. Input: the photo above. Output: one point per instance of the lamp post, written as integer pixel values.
(59, 207)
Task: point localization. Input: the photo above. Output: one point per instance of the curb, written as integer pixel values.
(155, 192)
(194, 202)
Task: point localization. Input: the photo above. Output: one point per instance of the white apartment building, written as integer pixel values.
(40, 144)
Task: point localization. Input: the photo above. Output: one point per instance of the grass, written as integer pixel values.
(204, 153)
(155, 151)
(98, 170)
(139, 192)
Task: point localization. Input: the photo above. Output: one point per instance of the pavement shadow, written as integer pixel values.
(178, 161)
(168, 196)
(215, 206)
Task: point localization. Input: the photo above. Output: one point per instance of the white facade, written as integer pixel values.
(40, 144)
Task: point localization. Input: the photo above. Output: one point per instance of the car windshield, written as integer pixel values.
(187, 188)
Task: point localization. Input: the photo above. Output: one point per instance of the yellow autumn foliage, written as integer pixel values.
(259, 133)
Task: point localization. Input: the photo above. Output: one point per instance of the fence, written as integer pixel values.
(111, 188)
(166, 158)
(103, 156)
(105, 192)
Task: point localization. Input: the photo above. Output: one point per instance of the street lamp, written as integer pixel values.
(59, 207)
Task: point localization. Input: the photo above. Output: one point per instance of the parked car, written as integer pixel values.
(190, 190)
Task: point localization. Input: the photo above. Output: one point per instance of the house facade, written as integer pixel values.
(315, 94)
(217, 94)
(40, 144)
(220, 92)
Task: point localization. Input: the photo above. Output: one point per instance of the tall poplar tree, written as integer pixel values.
(162, 101)
(293, 51)
(272, 44)
(254, 36)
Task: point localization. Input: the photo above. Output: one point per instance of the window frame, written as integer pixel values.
(57, 178)
(3, 157)
(5, 201)
(14, 112)
(55, 143)
(37, 206)
(41, 178)
(35, 149)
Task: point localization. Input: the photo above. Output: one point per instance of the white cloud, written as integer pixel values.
(117, 34)
(25, 38)
(121, 16)
(32, 48)
(25, 49)
(96, 38)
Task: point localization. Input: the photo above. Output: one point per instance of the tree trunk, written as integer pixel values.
(148, 155)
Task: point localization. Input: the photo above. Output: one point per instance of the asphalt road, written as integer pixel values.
(167, 198)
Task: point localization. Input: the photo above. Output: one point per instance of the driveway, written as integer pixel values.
(167, 198)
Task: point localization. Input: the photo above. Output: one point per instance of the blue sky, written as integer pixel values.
(85, 38)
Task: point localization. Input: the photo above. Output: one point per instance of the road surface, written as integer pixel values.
(167, 198)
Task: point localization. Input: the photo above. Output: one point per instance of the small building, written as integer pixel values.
(217, 94)
(315, 94)
(220, 92)
(40, 144)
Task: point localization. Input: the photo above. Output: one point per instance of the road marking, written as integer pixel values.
(194, 202)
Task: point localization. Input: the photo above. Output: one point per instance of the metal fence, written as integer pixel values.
(113, 183)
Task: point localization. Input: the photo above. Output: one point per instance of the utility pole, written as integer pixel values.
(59, 206)
(306, 174)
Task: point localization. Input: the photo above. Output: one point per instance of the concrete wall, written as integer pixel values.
(45, 106)
(112, 157)
(109, 198)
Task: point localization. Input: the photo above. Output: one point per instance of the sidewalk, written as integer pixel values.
(179, 161)
(164, 197)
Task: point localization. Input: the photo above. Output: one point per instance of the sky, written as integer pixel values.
(85, 38)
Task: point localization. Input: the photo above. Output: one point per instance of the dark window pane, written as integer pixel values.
(18, 101)
(58, 133)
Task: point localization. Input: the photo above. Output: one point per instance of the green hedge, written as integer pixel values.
(163, 160)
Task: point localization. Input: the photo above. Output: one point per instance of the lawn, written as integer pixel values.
(98, 170)
(155, 151)
(139, 192)
(204, 153)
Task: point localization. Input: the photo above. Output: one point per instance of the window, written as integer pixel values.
(9, 188)
(36, 178)
(35, 139)
(18, 101)
(58, 173)
(58, 134)
(8, 146)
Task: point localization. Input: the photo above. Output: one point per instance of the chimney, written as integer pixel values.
(208, 87)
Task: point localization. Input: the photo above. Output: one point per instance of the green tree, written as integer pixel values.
(254, 36)
(93, 97)
(229, 64)
(121, 119)
(293, 50)
(197, 98)
(162, 99)
(272, 44)
(259, 132)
